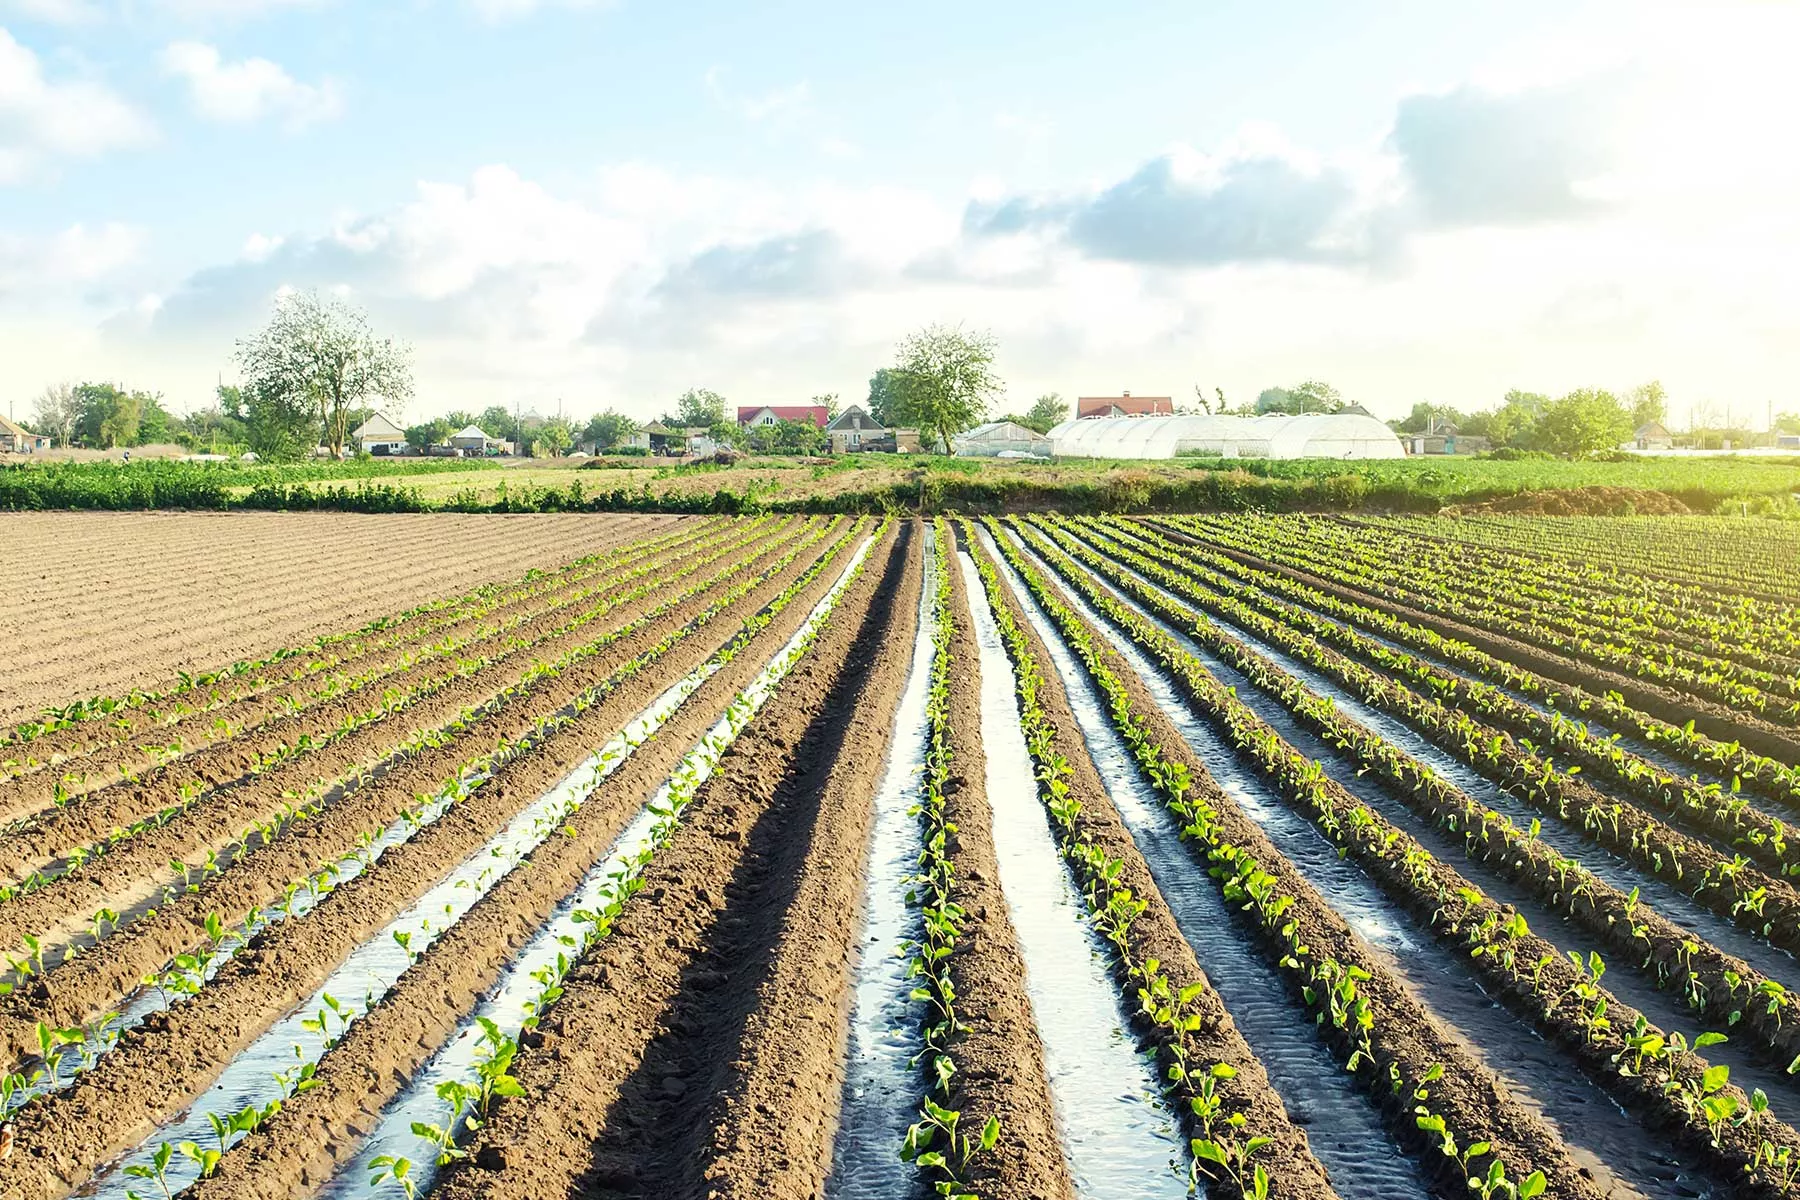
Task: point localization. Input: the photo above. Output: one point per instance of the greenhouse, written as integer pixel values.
(1310, 435)
(1001, 439)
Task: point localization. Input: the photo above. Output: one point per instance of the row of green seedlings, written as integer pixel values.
(1569, 606)
(1624, 579)
(1225, 1147)
(1327, 986)
(405, 622)
(1712, 647)
(394, 700)
(1706, 809)
(1674, 1085)
(186, 973)
(426, 739)
(938, 1143)
(1652, 663)
(1756, 772)
(1711, 981)
(468, 1104)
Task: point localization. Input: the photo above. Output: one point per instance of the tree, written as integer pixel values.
(1787, 423)
(320, 349)
(1048, 411)
(700, 408)
(429, 433)
(829, 400)
(1315, 396)
(1274, 400)
(1424, 413)
(554, 438)
(884, 396)
(497, 419)
(1205, 401)
(946, 381)
(280, 426)
(57, 410)
(786, 437)
(608, 429)
(1513, 423)
(1582, 422)
(1649, 402)
(110, 416)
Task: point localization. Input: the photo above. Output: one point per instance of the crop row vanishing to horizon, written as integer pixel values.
(1049, 855)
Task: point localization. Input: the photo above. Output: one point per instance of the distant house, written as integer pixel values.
(1441, 437)
(1652, 436)
(473, 440)
(854, 429)
(15, 439)
(663, 440)
(1000, 439)
(378, 435)
(1125, 405)
(1788, 441)
(768, 414)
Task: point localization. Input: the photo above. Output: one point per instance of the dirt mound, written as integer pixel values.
(1579, 502)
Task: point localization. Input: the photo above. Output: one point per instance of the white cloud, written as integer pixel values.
(73, 258)
(43, 119)
(55, 12)
(242, 93)
(775, 107)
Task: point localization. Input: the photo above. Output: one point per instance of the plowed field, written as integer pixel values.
(830, 857)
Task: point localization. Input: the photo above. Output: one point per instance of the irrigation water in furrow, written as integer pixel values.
(1607, 866)
(1345, 1130)
(1620, 1152)
(373, 967)
(509, 1002)
(1120, 1141)
(880, 1076)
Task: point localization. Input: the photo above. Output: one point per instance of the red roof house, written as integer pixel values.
(1126, 405)
(768, 414)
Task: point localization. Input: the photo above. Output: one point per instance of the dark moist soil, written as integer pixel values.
(226, 764)
(94, 981)
(1000, 1060)
(174, 1055)
(319, 1131)
(772, 1126)
(1154, 934)
(625, 1069)
(1471, 1098)
(97, 745)
(137, 869)
(1666, 703)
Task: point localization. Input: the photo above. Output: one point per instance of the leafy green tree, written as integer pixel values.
(1274, 400)
(280, 426)
(947, 381)
(786, 437)
(1582, 422)
(1787, 423)
(1649, 402)
(1047, 412)
(884, 396)
(1424, 413)
(829, 400)
(1513, 423)
(554, 439)
(498, 421)
(608, 429)
(429, 433)
(321, 349)
(1315, 396)
(700, 408)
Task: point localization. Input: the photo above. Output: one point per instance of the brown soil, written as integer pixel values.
(1665, 703)
(118, 803)
(1578, 502)
(624, 1070)
(1000, 1060)
(1154, 934)
(177, 1053)
(99, 603)
(318, 1130)
(1471, 1098)
(92, 982)
(90, 754)
(135, 869)
(772, 1125)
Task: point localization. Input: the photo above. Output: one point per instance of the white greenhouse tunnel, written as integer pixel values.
(1312, 435)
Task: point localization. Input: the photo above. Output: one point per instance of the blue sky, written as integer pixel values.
(608, 203)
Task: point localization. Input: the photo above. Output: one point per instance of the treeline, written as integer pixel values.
(168, 484)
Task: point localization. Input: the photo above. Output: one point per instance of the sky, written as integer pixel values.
(579, 205)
